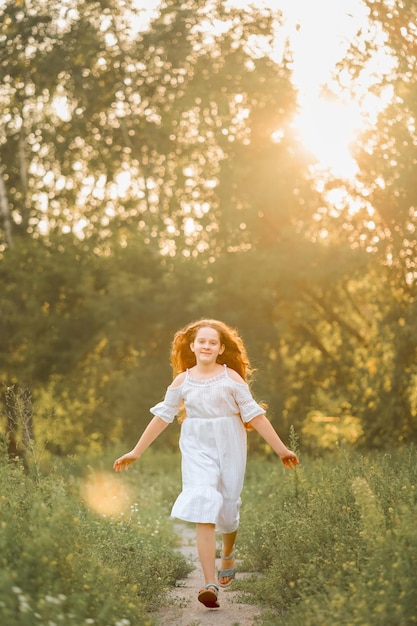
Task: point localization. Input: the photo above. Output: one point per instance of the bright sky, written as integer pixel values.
(320, 32)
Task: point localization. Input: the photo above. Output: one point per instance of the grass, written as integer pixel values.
(64, 562)
(335, 541)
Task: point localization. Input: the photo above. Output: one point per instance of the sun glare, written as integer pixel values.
(327, 129)
(319, 34)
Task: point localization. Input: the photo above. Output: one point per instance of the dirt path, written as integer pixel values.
(182, 607)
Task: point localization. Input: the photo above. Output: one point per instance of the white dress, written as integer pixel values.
(213, 447)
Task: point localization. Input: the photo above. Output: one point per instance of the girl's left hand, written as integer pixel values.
(289, 459)
(124, 461)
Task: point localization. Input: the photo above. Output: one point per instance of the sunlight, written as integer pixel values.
(327, 128)
(319, 34)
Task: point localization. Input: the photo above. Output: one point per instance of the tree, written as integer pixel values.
(387, 157)
(152, 177)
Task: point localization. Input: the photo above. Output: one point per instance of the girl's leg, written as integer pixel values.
(228, 540)
(228, 543)
(206, 547)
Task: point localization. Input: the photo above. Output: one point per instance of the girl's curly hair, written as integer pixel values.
(234, 354)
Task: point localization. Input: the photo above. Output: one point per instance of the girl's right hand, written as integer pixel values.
(124, 461)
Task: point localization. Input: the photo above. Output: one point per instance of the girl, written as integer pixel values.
(210, 367)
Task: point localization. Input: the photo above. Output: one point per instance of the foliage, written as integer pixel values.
(385, 191)
(151, 175)
(62, 561)
(334, 541)
(132, 125)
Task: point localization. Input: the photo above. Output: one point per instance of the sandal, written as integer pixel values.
(208, 596)
(227, 573)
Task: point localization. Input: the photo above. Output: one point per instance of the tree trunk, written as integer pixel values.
(5, 213)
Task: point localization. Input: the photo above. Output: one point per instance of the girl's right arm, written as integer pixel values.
(155, 427)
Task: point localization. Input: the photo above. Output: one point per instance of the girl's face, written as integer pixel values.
(206, 345)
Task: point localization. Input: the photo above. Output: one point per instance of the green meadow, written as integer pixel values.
(79, 545)
(333, 542)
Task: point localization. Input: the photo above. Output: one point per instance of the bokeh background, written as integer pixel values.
(166, 161)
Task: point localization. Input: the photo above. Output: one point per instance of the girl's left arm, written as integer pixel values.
(264, 427)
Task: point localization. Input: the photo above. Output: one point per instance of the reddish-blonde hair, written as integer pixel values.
(234, 354)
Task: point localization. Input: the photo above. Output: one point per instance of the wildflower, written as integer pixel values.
(52, 600)
(24, 606)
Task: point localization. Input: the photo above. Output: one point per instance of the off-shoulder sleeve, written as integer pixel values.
(248, 407)
(169, 407)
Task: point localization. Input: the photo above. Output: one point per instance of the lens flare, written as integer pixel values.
(106, 495)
